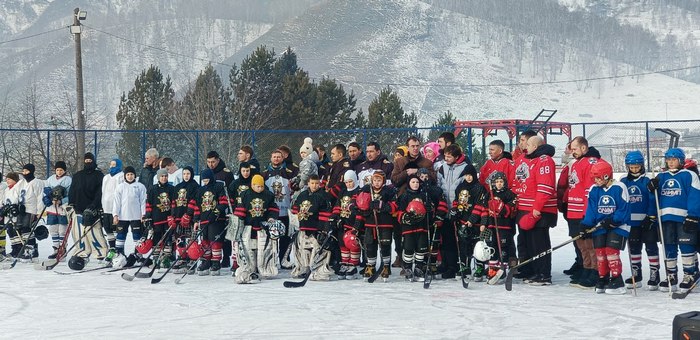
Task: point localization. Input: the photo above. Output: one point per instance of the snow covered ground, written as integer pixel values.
(44, 305)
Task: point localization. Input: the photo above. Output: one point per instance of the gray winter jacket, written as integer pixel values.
(449, 177)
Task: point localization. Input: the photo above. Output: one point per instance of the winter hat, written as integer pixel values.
(403, 149)
(13, 176)
(432, 146)
(207, 174)
(89, 155)
(190, 169)
(30, 167)
(380, 174)
(60, 165)
(129, 169)
(423, 171)
(257, 180)
(161, 172)
(308, 146)
(351, 175)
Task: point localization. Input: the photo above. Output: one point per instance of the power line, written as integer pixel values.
(33, 35)
(156, 47)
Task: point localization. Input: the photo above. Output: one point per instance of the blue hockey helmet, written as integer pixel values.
(675, 153)
(634, 157)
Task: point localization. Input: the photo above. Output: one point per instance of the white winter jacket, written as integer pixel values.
(109, 186)
(129, 201)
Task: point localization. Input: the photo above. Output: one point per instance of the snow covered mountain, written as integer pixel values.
(439, 55)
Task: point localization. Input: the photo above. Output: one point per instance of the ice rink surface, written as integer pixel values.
(45, 305)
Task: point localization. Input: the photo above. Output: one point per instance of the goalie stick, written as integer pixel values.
(29, 237)
(161, 244)
(51, 264)
(314, 264)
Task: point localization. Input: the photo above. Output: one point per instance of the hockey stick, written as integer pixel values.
(84, 270)
(161, 244)
(48, 266)
(216, 238)
(509, 277)
(29, 237)
(379, 263)
(501, 269)
(314, 264)
(682, 295)
(634, 280)
(663, 243)
(192, 241)
(462, 265)
(428, 275)
(60, 252)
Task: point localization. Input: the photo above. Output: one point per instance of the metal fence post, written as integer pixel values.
(143, 145)
(583, 126)
(469, 142)
(48, 153)
(648, 147)
(253, 140)
(196, 152)
(95, 148)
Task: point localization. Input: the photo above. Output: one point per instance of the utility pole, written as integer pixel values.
(76, 29)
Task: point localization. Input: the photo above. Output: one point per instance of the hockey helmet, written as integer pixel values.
(498, 175)
(195, 251)
(274, 229)
(90, 217)
(76, 263)
(675, 153)
(144, 246)
(351, 241)
(601, 169)
(363, 199)
(416, 207)
(528, 221)
(634, 157)
(689, 163)
(482, 251)
(41, 233)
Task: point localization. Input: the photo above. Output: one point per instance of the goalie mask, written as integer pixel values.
(482, 251)
(274, 229)
(416, 207)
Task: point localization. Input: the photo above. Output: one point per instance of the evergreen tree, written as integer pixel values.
(148, 106)
(385, 112)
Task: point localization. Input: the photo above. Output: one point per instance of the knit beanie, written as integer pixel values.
(308, 146)
(257, 180)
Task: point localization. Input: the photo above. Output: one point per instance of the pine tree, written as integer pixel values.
(148, 106)
(385, 112)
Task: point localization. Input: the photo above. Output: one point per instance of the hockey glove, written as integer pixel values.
(690, 225)
(463, 231)
(406, 218)
(653, 184)
(608, 224)
(185, 221)
(495, 207)
(453, 211)
(648, 222)
(171, 222)
(47, 197)
(583, 232)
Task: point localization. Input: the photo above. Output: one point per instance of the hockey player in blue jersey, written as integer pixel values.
(644, 227)
(678, 192)
(609, 208)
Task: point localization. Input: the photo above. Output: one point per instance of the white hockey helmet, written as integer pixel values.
(482, 251)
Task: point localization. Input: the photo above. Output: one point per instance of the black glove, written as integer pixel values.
(648, 222)
(690, 225)
(583, 233)
(453, 211)
(406, 218)
(653, 184)
(608, 224)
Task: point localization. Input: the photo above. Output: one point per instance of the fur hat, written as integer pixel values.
(13, 176)
(403, 149)
(257, 180)
(60, 165)
(308, 146)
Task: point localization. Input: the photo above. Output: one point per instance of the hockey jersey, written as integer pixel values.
(641, 200)
(580, 182)
(679, 195)
(608, 202)
(312, 209)
(256, 207)
(536, 181)
(503, 164)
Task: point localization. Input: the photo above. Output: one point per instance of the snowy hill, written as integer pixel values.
(438, 55)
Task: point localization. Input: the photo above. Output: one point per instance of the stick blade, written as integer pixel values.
(509, 280)
(127, 277)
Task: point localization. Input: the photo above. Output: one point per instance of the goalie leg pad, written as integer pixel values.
(267, 253)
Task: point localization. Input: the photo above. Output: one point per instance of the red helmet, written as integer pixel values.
(351, 241)
(689, 163)
(416, 207)
(144, 247)
(195, 251)
(362, 200)
(602, 169)
(528, 221)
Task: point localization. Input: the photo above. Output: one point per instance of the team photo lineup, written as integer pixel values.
(344, 212)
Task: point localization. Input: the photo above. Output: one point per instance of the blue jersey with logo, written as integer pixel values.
(641, 200)
(609, 202)
(679, 195)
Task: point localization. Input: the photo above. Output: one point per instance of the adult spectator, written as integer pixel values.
(245, 154)
(499, 160)
(537, 210)
(150, 167)
(376, 160)
(579, 185)
(288, 160)
(334, 171)
(409, 165)
(277, 177)
(356, 155)
(521, 147)
(444, 140)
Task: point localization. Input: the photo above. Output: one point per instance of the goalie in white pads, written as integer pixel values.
(258, 234)
(313, 209)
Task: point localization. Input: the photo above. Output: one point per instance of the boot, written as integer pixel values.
(602, 284)
(637, 276)
(203, 268)
(55, 253)
(653, 282)
(664, 286)
(215, 269)
(573, 269)
(540, 280)
(616, 286)
(588, 280)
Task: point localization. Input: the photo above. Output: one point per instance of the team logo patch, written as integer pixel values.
(606, 205)
(163, 202)
(635, 194)
(304, 212)
(345, 202)
(208, 201)
(671, 188)
(573, 179)
(256, 207)
(592, 160)
(181, 200)
(522, 172)
(277, 190)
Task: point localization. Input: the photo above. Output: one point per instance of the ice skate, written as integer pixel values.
(688, 281)
(637, 275)
(616, 286)
(386, 272)
(653, 282)
(664, 286)
(203, 268)
(215, 269)
(351, 273)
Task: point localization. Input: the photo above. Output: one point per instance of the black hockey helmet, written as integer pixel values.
(76, 263)
(41, 233)
(90, 216)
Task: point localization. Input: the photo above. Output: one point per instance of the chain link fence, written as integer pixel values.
(44, 147)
